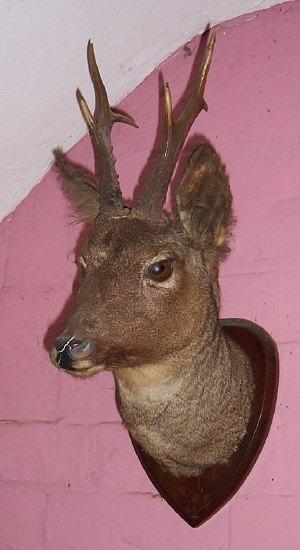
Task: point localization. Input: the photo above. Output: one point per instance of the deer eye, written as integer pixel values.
(161, 271)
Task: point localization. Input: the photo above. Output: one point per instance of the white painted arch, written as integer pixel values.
(42, 57)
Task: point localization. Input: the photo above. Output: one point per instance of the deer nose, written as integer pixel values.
(70, 350)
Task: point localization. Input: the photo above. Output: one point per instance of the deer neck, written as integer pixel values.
(167, 376)
(191, 410)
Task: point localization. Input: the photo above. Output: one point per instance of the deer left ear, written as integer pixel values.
(79, 185)
(204, 201)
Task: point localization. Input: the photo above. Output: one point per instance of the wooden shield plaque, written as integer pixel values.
(196, 499)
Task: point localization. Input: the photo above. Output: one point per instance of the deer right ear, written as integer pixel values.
(204, 201)
(79, 185)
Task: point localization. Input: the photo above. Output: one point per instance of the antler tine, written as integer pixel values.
(100, 126)
(156, 185)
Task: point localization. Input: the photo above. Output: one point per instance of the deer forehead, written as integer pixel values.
(134, 238)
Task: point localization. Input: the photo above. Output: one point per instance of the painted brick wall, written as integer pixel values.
(69, 478)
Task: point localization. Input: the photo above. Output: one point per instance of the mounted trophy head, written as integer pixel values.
(149, 284)
(148, 305)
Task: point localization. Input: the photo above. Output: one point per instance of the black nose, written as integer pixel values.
(72, 349)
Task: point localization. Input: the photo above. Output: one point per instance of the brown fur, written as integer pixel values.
(184, 390)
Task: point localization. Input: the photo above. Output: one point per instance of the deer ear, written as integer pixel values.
(204, 201)
(79, 185)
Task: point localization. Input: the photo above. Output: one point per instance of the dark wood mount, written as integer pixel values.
(197, 499)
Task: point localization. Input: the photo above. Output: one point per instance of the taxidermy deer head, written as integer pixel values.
(148, 305)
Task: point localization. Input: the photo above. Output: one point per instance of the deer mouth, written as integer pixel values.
(80, 369)
(83, 358)
(73, 356)
(86, 372)
(62, 357)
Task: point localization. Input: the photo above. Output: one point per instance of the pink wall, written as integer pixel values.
(68, 475)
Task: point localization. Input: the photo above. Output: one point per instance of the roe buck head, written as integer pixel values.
(149, 284)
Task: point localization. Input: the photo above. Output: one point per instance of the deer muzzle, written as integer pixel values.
(69, 351)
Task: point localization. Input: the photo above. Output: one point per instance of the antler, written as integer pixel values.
(155, 188)
(100, 126)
